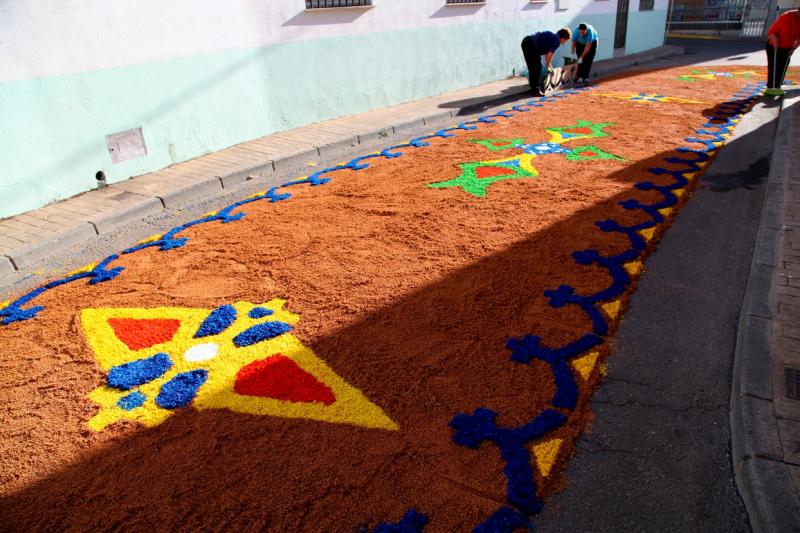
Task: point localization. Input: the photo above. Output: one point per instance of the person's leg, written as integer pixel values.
(781, 64)
(588, 60)
(579, 48)
(534, 62)
(770, 67)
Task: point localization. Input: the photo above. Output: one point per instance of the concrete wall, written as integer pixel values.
(200, 76)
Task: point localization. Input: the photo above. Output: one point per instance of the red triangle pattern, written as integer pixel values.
(280, 378)
(490, 172)
(138, 333)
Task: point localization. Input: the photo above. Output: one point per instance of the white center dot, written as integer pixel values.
(201, 352)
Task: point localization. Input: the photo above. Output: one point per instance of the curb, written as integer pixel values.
(763, 480)
(271, 171)
(77, 234)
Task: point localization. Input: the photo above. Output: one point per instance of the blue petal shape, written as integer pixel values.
(259, 312)
(181, 390)
(261, 332)
(129, 375)
(131, 401)
(217, 321)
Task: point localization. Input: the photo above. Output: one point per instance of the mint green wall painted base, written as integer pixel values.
(645, 30)
(53, 134)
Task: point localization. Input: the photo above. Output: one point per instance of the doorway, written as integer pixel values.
(621, 30)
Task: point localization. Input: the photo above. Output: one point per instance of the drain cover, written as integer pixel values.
(793, 383)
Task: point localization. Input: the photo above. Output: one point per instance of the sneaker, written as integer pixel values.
(585, 81)
(774, 92)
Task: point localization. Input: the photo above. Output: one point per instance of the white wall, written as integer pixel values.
(44, 38)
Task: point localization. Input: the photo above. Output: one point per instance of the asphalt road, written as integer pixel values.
(657, 457)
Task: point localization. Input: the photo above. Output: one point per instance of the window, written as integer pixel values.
(322, 4)
(465, 1)
(646, 5)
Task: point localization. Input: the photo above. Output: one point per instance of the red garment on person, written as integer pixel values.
(787, 28)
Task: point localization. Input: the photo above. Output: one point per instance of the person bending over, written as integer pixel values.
(584, 42)
(543, 43)
(783, 37)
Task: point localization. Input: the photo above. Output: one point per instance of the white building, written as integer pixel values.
(198, 76)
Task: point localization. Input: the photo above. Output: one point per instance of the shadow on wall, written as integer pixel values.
(320, 17)
(456, 10)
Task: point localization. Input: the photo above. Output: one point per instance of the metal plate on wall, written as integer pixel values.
(126, 145)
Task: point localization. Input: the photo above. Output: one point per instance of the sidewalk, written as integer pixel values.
(765, 402)
(30, 240)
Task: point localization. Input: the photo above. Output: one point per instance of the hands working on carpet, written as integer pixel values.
(584, 47)
(533, 47)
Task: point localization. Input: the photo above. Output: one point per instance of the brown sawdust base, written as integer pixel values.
(409, 293)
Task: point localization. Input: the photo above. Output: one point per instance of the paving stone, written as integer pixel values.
(43, 224)
(9, 243)
(15, 227)
(785, 345)
(791, 332)
(249, 158)
(789, 430)
(788, 310)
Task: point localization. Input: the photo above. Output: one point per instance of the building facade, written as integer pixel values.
(93, 89)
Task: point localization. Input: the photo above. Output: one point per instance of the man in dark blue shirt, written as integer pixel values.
(542, 43)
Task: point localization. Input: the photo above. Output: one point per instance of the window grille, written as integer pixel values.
(647, 5)
(321, 4)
